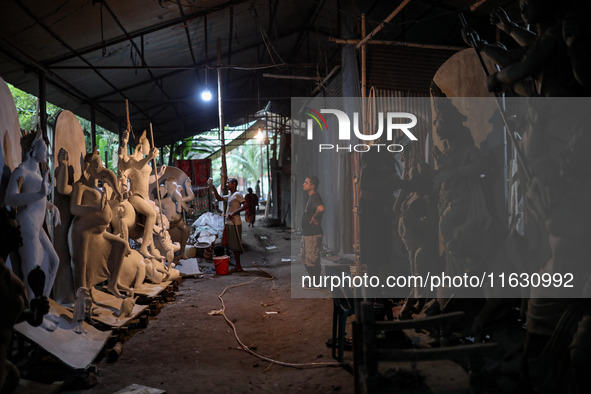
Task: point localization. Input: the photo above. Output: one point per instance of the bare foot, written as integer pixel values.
(49, 324)
(51, 317)
(236, 269)
(113, 289)
(78, 328)
(144, 252)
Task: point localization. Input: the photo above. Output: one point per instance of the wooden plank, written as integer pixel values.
(107, 309)
(441, 376)
(152, 289)
(75, 350)
(418, 322)
(188, 267)
(139, 389)
(433, 354)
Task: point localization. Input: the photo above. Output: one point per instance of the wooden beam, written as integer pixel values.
(398, 43)
(435, 353)
(326, 79)
(381, 25)
(476, 5)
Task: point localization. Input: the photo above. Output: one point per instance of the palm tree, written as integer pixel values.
(246, 161)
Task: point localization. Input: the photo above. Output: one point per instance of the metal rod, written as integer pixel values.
(247, 67)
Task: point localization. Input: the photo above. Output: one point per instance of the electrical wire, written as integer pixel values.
(234, 331)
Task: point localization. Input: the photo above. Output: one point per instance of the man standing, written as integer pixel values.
(258, 189)
(253, 203)
(311, 229)
(236, 204)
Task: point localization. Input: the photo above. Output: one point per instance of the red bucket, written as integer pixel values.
(222, 265)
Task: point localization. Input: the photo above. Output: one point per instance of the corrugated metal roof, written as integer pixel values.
(56, 35)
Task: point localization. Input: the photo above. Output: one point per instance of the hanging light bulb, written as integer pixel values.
(206, 95)
(259, 137)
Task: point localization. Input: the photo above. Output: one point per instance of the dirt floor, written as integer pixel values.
(186, 350)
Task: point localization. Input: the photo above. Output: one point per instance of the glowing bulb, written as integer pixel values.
(259, 137)
(206, 95)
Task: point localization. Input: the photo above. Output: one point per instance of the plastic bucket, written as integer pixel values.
(222, 265)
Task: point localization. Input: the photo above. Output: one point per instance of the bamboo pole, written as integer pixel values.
(221, 118)
(381, 25)
(127, 113)
(325, 80)
(354, 41)
(157, 185)
(363, 67)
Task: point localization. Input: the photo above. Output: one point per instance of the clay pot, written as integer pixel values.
(201, 247)
(208, 253)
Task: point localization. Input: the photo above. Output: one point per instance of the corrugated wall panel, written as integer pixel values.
(414, 102)
(403, 68)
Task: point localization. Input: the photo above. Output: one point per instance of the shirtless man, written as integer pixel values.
(233, 226)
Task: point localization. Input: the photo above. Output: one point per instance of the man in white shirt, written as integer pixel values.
(236, 204)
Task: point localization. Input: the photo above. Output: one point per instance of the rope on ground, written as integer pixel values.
(246, 348)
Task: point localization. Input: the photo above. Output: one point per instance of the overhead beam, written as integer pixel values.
(141, 32)
(249, 133)
(477, 5)
(415, 22)
(66, 45)
(326, 79)
(191, 99)
(237, 67)
(397, 43)
(157, 82)
(304, 78)
(381, 25)
(311, 20)
(245, 67)
(189, 43)
(28, 61)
